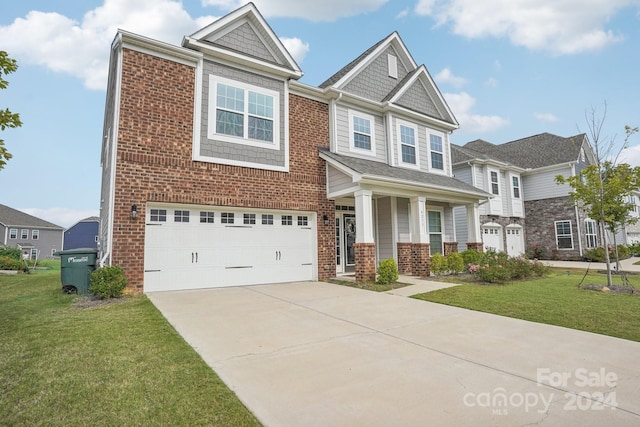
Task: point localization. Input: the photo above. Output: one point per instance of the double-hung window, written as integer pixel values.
(515, 182)
(435, 231)
(590, 233)
(437, 153)
(408, 144)
(243, 113)
(564, 237)
(24, 234)
(495, 187)
(361, 133)
(13, 233)
(35, 234)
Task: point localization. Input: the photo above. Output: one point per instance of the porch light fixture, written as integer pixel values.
(325, 218)
(134, 212)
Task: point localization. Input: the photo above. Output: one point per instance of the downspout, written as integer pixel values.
(580, 250)
(333, 144)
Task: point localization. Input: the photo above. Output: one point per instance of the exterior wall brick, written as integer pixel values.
(365, 254)
(541, 216)
(450, 247)
(475, 246)
(154, 162)
(421, 259)
(405, 264)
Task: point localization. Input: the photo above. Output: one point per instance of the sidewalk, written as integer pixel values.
(626, 264)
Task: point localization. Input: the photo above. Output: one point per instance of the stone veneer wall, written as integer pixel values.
(540, 230)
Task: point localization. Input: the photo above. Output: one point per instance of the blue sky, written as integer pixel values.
(508, 69)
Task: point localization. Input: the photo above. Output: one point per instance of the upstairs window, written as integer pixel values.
(361, 133)
(437, 154)
(35, 234)
(515, 182)
(243, 113)
(24, 234)
(495, 187)
(407, 135)
(13, 233)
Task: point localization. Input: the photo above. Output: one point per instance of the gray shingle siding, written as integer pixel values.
(244, 39)
(374, 82)
(417, 99)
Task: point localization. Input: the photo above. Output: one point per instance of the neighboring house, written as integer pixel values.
(630, 233)
(36, 237)
(526, 169)
(221, 169)
(83, 234)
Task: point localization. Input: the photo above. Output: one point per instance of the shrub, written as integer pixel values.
(14, 253)
(634, 249)
(471, 256)
(536, 251)
(387, 271)
(107, 282)
(595, 254)
(10, 263)
(438, 264)
(623, 252)
(455, 263)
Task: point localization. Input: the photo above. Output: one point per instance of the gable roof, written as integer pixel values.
(415, 91)
(384, 172)
(10, 217)
(533, 152)
(244, 37)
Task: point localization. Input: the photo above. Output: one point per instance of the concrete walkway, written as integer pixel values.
(319, 354)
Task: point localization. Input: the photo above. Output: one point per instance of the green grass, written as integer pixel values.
(555, 300)
(118, 364)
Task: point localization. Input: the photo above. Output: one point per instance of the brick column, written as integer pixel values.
(365, 254)
(450, 247)
(475, 246)
(405, 262)
(421, 259)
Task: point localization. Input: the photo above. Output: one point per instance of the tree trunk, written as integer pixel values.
(605, 240)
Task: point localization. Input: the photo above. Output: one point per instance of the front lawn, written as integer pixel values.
(116, 364)
(555, 300)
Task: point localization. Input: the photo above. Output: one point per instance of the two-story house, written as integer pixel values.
(525, 170)
(220, 168)
(36, 237)
(82, 234)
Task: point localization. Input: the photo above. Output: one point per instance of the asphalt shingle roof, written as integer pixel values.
(383, 170)
(531, 152)
(14, 217)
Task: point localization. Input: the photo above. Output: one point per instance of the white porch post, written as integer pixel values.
(364, 216)
(419, 220)
(473, 223)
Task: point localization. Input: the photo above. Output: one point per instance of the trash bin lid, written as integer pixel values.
(76, 251)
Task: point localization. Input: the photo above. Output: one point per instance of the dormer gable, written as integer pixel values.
(418, 92)
(243, 37)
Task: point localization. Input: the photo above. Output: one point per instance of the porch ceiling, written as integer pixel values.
(374, 173)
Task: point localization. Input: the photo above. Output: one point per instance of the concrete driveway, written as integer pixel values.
(318, 354)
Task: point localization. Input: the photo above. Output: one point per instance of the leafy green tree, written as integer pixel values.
(602, 189)
(7, 118)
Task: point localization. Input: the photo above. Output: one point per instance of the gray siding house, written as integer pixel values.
(34, 236)
(528, 206)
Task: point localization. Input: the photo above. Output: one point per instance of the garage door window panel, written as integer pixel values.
(227, 218)
(287, 220)
(158, 215)
(267, 219)
(249, 219)
(207, 217)
(181, 216)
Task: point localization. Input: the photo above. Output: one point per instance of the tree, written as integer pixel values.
(603, 188)
(7, 118)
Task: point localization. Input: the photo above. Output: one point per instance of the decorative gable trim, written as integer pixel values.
(201, 41)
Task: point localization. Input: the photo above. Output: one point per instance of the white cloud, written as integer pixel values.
(491, 82)
(296, 47)
(558, 26)
(446, 76)
(461, 104)
(313, 10)
(545, 117)
(630, 156)
(402, 14)
(82, 48)
(64, 217)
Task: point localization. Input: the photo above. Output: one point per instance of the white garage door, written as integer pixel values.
(515, 241)
(194, 247)
(492, 237)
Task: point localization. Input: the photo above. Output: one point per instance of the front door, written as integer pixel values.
(345, 238)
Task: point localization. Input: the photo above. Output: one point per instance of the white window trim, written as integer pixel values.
(399, 144)
(513, 187)
(444, 159)
(594, 234)
(372, 121)
(490, 183)
(211, 127)
(555, 227)
(11, 230)
(442, 230)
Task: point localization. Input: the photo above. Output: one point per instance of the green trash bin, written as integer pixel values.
(76, 266)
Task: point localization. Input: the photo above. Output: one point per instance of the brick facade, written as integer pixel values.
(405, 264)
(450, 247)
(365, 254)
(475, 246)
(541, 216)
(420, 259)
(154, 162)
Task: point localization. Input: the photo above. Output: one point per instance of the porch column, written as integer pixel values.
(474, 238)
(420, 258)
(365, 247)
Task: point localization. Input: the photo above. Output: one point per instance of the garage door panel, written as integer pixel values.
(190, 255)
